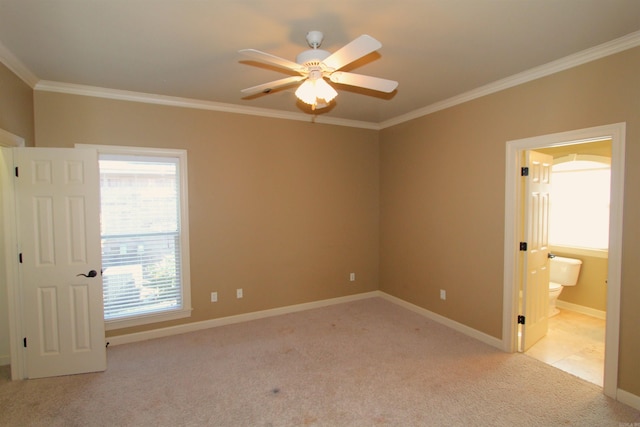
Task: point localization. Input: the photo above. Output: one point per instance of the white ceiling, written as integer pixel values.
(435, 49)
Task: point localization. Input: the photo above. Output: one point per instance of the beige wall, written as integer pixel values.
(442, 193)
(283, 209)
(16, 106)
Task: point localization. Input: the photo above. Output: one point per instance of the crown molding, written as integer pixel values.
(17, 67)
(614, 46)
(124, 95)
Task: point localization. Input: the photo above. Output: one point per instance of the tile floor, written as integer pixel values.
(575, 344)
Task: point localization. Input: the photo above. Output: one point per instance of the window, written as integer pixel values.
(144, 232)
(579, 210)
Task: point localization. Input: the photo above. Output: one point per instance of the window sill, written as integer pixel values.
(146, 319)
(596, 253)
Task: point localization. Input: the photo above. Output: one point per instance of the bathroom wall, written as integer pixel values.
(591, 289)
(598, 148)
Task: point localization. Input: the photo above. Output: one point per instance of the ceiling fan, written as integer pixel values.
(314, 65)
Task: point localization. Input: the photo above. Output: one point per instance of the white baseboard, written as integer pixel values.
(628, 399)
(582, 309)
(5, 359)
(206, 324)
(473, 333)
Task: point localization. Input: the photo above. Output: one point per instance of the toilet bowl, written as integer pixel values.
(562, 272)
(554, 292)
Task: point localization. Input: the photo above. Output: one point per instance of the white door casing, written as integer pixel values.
(535, 280)
(616, 133)
(58, 204)
(8, 141)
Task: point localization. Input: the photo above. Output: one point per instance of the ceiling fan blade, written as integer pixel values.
(271, 59)
(358, 48)
(268, 87)
(368, 82)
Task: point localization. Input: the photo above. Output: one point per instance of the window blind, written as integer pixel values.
(140, 230)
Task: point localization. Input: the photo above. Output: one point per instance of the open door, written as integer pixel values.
(58, 206)
(535, 280)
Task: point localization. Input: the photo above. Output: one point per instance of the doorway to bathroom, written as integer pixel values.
(515, 218)
(578, 229)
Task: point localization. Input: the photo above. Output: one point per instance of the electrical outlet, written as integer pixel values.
(352, 277)
(214, 297)
(239, 293)
(443, 294)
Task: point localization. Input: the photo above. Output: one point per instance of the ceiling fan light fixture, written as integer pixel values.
(317, 93)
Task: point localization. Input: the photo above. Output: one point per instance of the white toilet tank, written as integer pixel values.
(564, 271)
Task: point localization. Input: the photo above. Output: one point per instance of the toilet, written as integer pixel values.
(562, 272)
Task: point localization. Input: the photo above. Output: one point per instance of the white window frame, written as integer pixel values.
(186, 309)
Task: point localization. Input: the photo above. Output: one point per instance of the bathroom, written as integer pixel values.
(575, 338)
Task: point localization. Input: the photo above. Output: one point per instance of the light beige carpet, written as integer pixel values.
(364, 363)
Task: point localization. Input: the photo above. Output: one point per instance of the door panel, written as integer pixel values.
(43, 207)
(77, 230)
(535, 288)
(59, 233)
(48, 320)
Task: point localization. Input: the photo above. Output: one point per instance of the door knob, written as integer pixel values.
(92, 273)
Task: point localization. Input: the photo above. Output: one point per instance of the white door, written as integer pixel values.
(58, 203)
(535, 287)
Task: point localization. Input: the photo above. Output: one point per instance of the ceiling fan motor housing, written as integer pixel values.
(312, 55)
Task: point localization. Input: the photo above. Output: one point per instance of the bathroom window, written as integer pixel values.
(579, 209)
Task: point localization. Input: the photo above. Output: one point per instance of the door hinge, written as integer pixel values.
(24, 342)
(524, 171)
(521, 320)
(20, 258)
(17, 174)
(523, 246)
